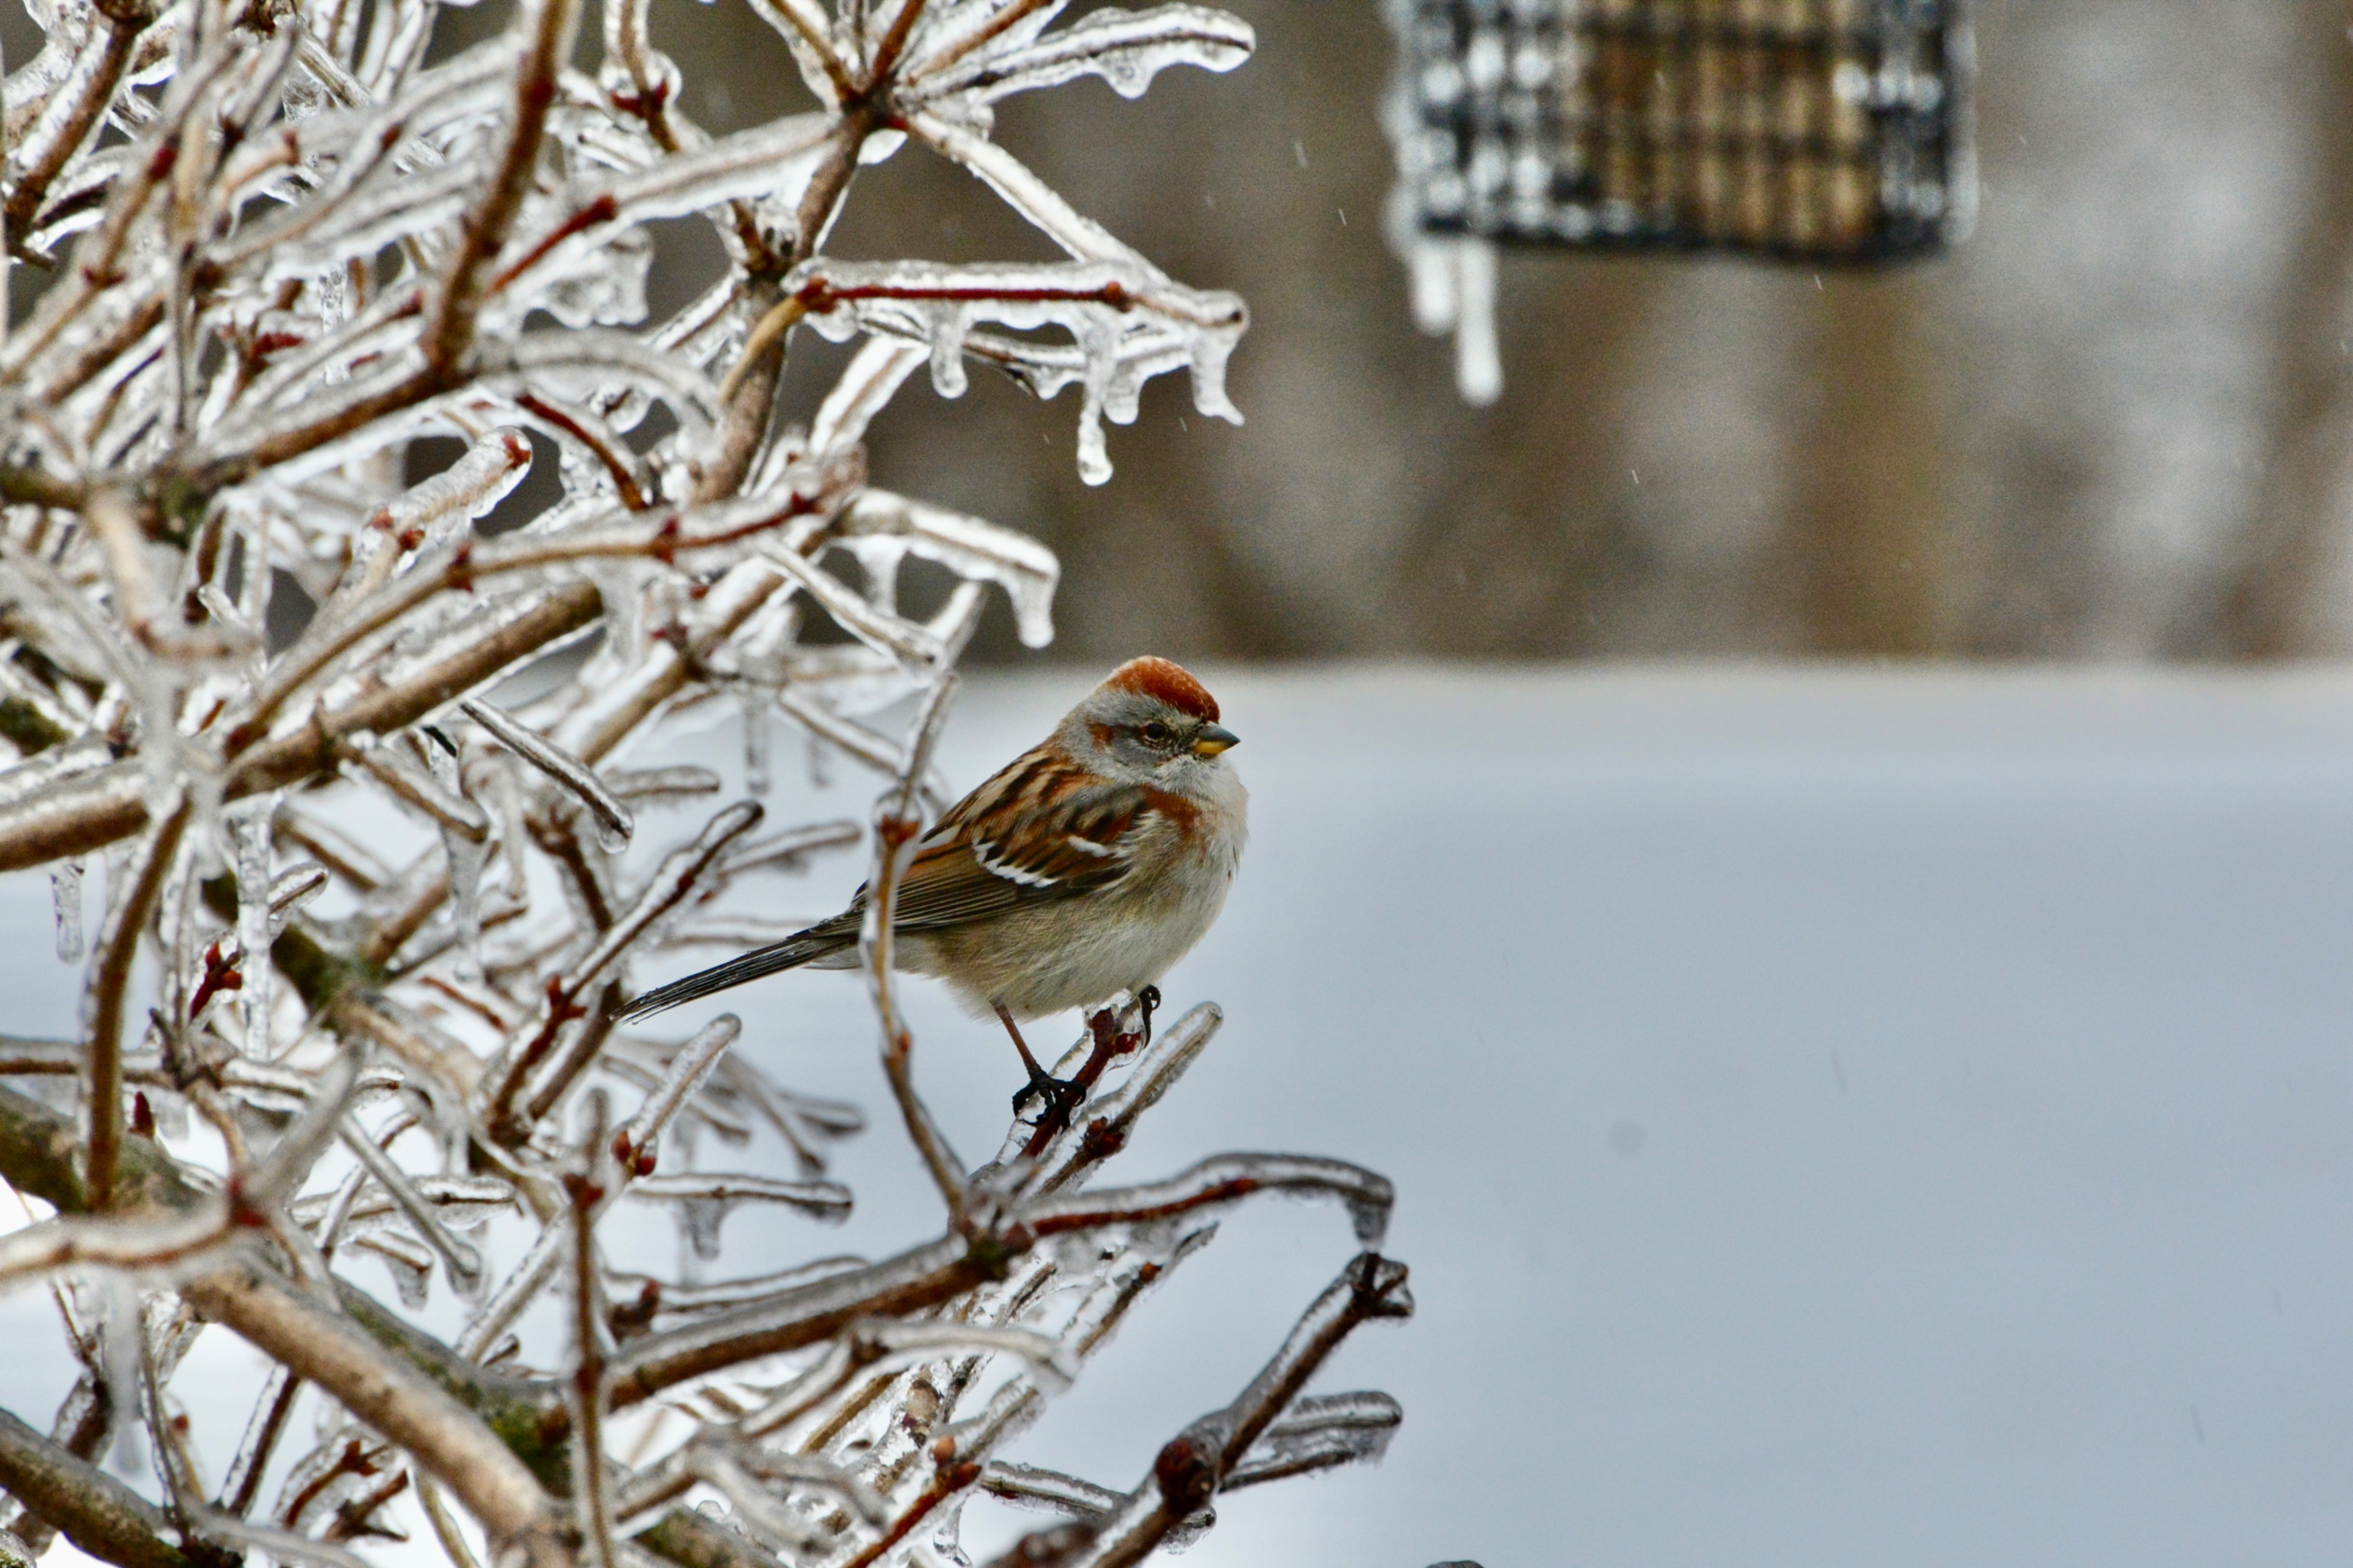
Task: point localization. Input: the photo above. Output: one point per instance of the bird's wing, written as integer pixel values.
(1079, 844)
(1057, 841)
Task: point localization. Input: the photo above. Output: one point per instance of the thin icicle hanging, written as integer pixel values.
(65, 893)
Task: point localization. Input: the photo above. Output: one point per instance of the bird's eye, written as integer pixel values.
(1155, 733)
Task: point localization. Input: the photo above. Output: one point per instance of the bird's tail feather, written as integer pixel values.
(790, 953)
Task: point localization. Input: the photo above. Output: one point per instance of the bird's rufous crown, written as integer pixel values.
(1168, 682)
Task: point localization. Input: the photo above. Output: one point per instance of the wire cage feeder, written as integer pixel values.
(1828, 132)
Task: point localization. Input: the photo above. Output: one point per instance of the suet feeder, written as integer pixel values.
(1828, 132)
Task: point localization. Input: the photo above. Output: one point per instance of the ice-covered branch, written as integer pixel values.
(1191, 1467)
(91, 1509)
(375, 732)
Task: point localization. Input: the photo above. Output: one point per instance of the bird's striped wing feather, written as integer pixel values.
(1075, 846)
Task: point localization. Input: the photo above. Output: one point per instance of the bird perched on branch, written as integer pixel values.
(1087, 866)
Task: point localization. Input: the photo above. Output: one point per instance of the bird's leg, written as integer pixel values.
(1066, 1095)
(1147, 1001)
(1055, 1092)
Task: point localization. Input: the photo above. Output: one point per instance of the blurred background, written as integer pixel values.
(2113, 424)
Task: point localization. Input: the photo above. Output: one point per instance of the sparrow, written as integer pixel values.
(1085, 868)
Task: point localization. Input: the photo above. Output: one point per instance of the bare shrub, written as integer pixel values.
(240, 642)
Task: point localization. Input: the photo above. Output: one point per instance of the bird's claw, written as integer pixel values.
(1060, 1096)
(1147, 1002)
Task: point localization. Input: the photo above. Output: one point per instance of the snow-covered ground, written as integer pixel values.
(1843, 1120)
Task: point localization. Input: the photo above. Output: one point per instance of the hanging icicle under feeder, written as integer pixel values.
(1827, 132)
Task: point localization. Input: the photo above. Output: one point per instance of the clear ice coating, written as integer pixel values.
(1125, 48)
(363, 515)
(1125, 322)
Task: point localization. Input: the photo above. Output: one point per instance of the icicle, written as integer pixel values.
(119, 1352)
(756, 741)
(466, 858)
(65, 892)
(1453, 281)
(247, 826)
(699, 1220)
(969, 546)
(1128, 320)
(949, 322)
(1478, 368)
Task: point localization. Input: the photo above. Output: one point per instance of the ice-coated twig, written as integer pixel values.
(1126, 49)
(1222, 1179)
(558, 763)
(427, 514)
(453, 812)
(144, 1243)
(674, 881)
(1029, 1486)
(281, 1545)
(856, 740)
(445, 1529)
(719, 1295)
(112, 1243)
(585, 1189)
(827, 1201)
(1192, 1465)
(463, 1262)
(97, 1512)
(1173, 1048)
(1318, 1434)
(693, 1063)
(270, 1411)
(355, 863)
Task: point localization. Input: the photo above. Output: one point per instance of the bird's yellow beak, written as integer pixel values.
(1213, 739)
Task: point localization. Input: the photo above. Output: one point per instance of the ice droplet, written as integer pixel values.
(65, 892)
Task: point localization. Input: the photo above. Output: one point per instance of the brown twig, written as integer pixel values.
(124, 23)
(897, 825)
(586, 1191)
(547, 27)
(110, 983)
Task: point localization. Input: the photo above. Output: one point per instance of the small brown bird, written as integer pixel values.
(1087, 866)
